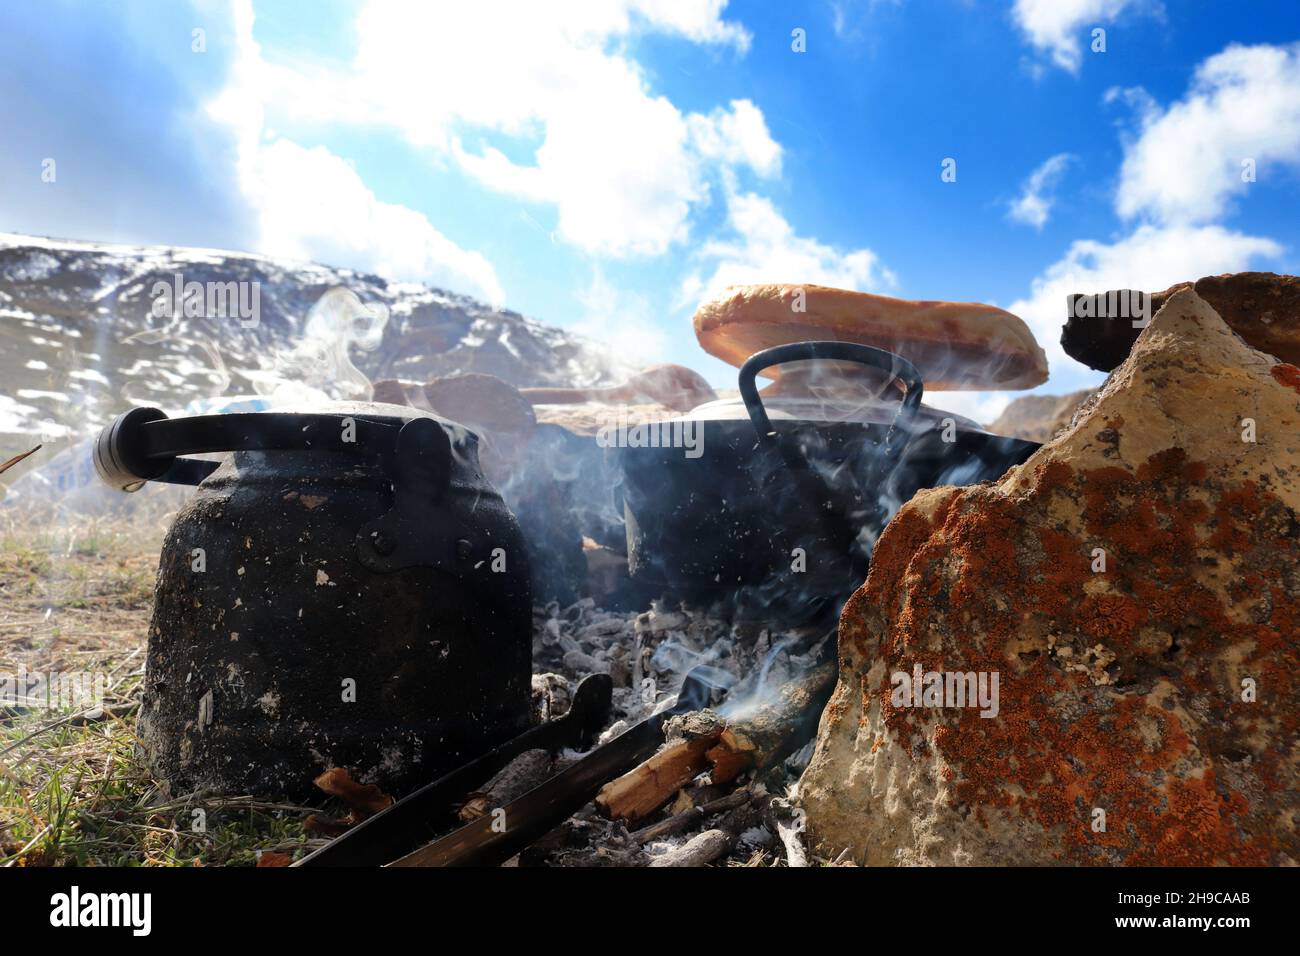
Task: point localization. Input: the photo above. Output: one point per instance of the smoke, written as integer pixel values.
(316, 368)
(792, 654)
(319, 365)
(755, 661)
(784, 532)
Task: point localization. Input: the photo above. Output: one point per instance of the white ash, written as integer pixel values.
(693, 724)
(756, 837)
(649, 653)
(551, 696)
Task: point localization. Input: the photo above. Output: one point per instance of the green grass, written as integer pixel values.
(83, 801)
(72, 792)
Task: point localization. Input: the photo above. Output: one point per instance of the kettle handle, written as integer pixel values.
(902, 370)
(880, 465)
(143, 444)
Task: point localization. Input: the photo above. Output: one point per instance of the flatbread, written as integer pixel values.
(954, 345)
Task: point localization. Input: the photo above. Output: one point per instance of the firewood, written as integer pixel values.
(688, 818)
(647, 787)
(515, 779)
(759, 737)
(700, 850)
(768, 732)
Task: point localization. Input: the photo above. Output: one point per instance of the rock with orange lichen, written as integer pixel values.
(1135, 586)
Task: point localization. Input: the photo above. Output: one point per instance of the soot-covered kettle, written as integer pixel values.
(345, 589)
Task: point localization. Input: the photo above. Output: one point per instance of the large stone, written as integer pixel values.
(1039, 417)
(1123, 691)
(1262, 307)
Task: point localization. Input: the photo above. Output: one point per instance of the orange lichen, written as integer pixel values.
(983, 585)
(1108, 616)
(1286, 374)
(1171, 465)
(1232, 516)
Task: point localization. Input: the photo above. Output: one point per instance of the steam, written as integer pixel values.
(319, 366)
(219, 374)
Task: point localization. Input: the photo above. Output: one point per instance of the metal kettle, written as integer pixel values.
(344, 589)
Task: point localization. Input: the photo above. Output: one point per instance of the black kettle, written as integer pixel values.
(345, 589)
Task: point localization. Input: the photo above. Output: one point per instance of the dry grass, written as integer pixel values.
(75, 596)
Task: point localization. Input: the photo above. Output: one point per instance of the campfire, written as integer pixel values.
(697, 731)
(837, 625)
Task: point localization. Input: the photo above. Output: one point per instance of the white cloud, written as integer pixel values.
(847, 16)
(624, 319)
(510, 66)
(1056, 27)
(1186, 164)
(765, 248)
(1179, 172)
(1136, 98)
(622, 166)
(623, 185)
(1034, 204)
(1151, 258)
(312, 204)
(697, 20)
(738, 136)
(554, 111)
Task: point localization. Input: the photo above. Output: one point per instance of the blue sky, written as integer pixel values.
(602, 164)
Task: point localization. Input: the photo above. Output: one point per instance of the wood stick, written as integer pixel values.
(688, 818)
(526, 771)
(17, 458)
(795, 856)
(759, 737)
(700, 850)
(781, 817)
(644, 789)
(772, 730)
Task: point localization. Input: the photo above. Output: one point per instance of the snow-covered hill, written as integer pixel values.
(81, 337)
